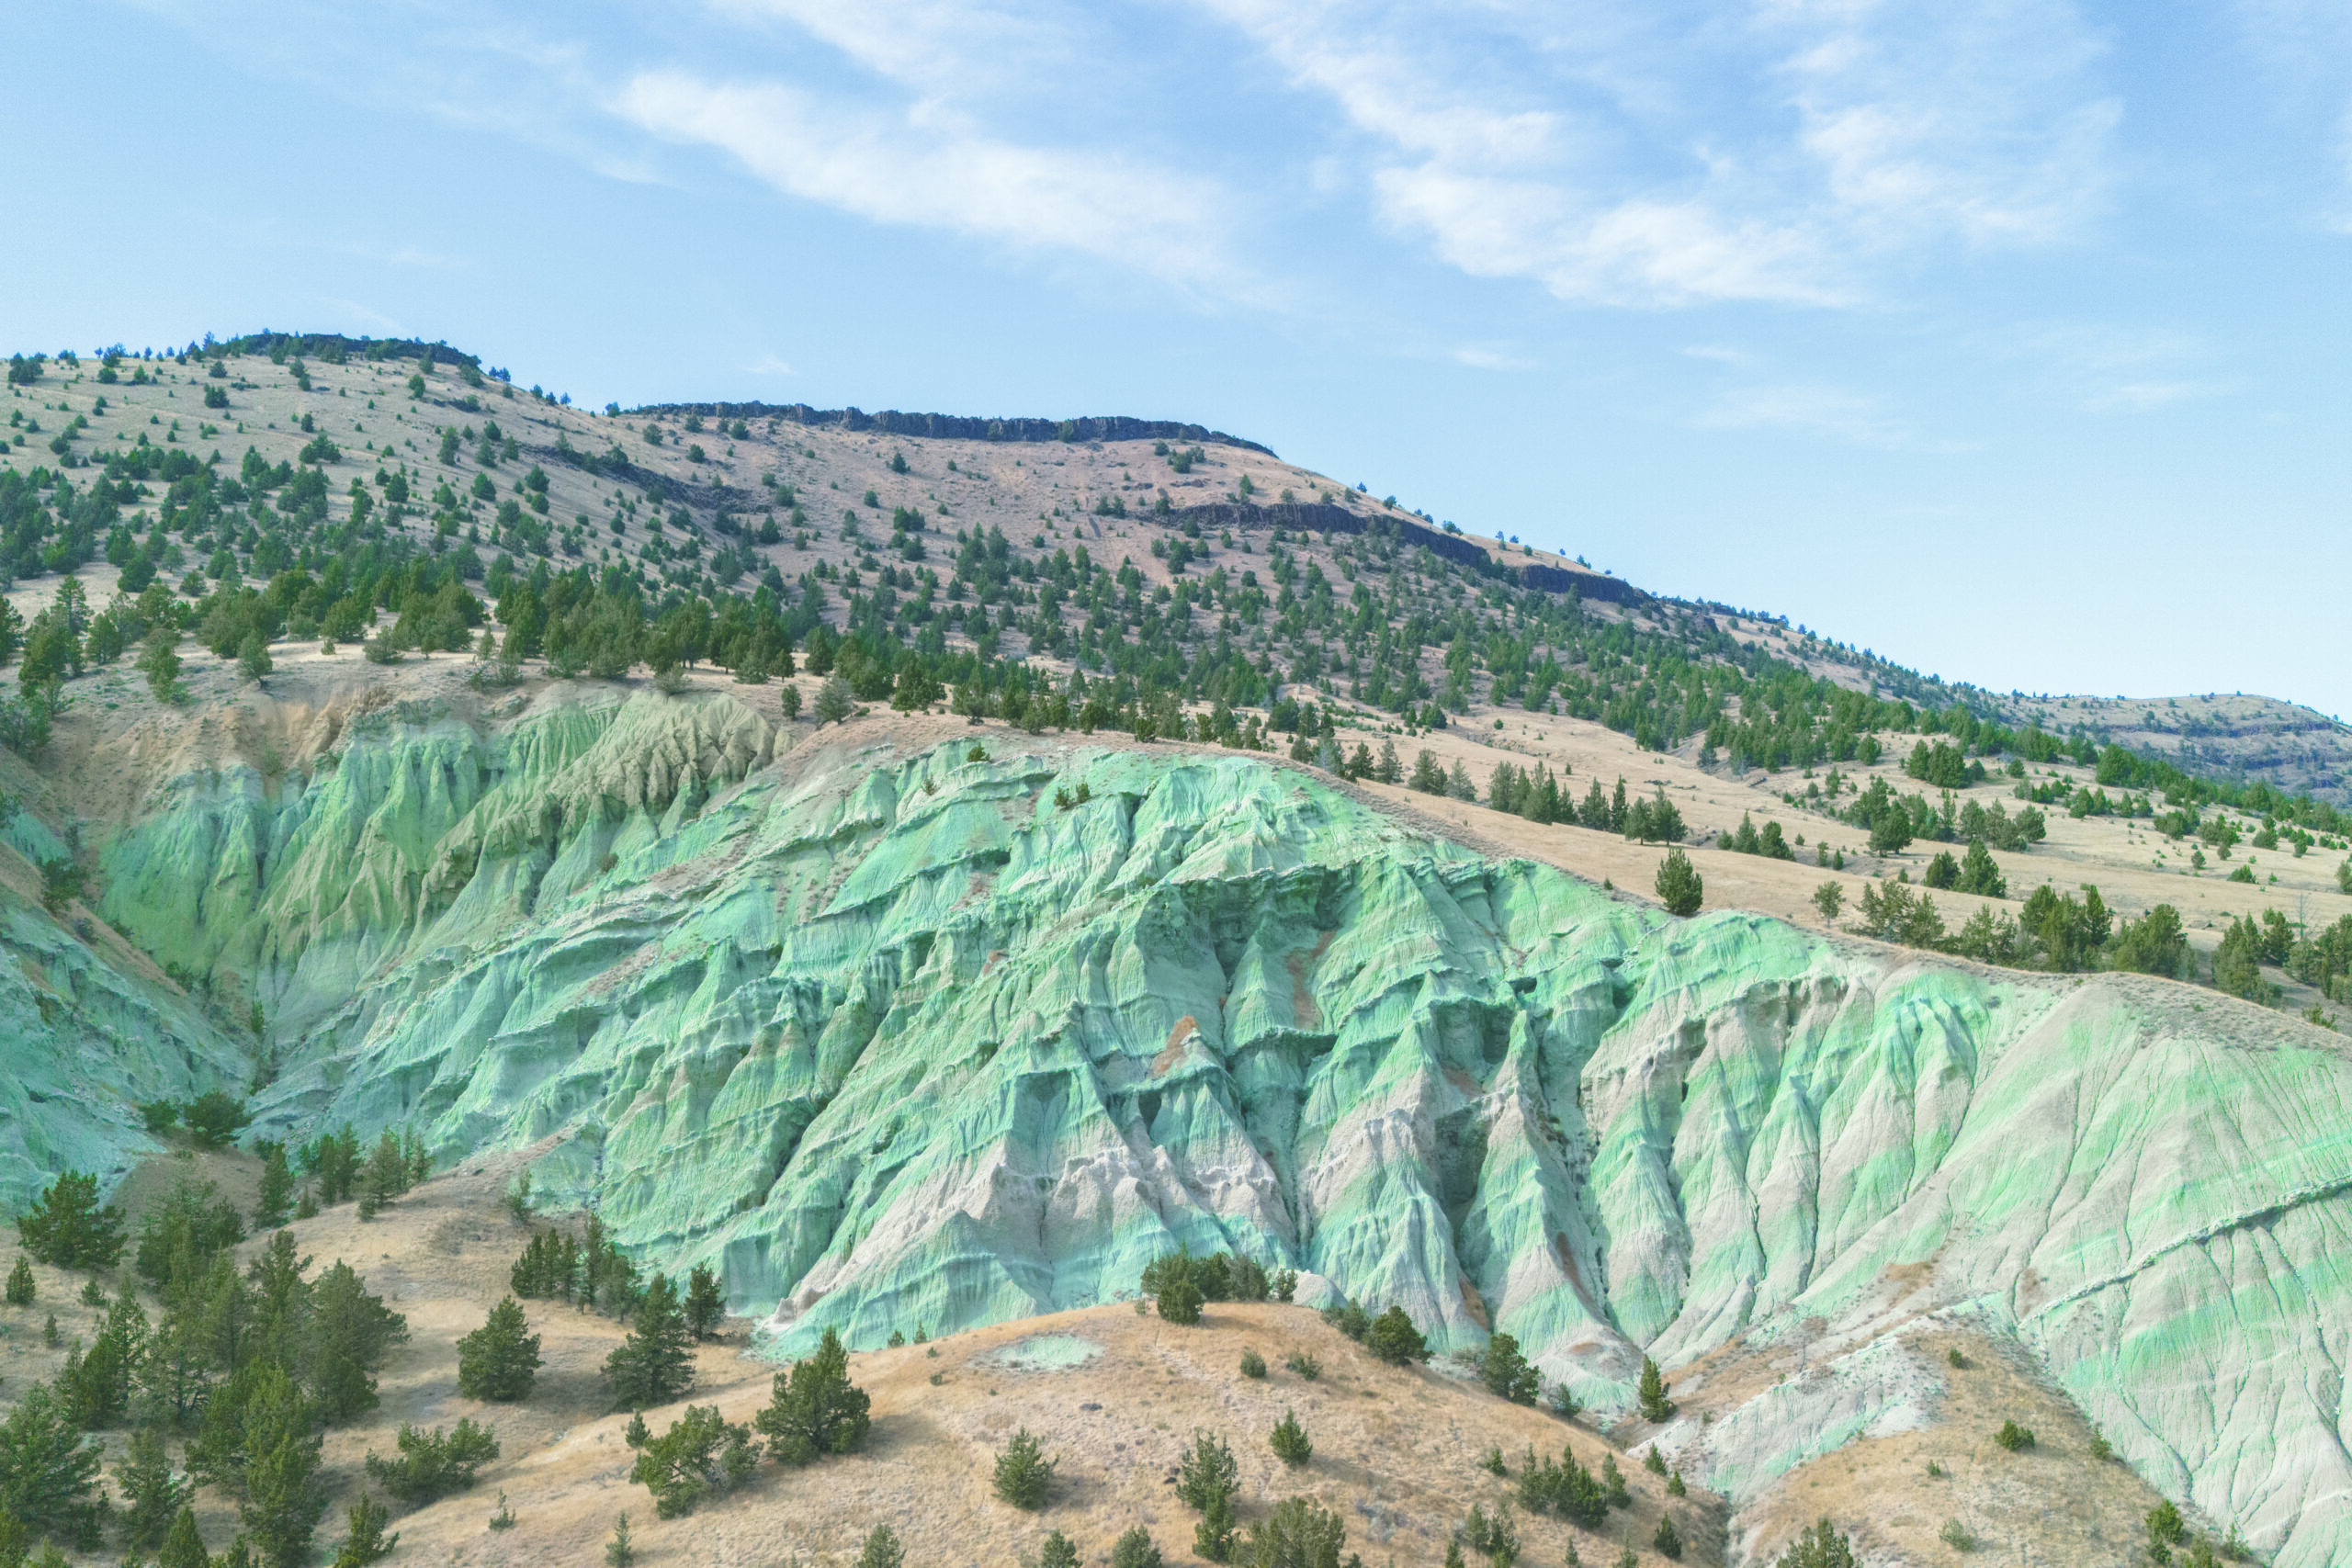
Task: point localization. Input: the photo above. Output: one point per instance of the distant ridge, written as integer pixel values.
(1324, 517)
(966, 427)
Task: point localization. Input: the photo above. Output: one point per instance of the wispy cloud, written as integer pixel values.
(928, 169)
(1491, 356)
(2107, 368)
(1770, 150)
(1817, 409)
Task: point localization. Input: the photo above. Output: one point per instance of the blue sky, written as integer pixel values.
(2007, 339)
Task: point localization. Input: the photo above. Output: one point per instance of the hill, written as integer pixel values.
(1115, 931)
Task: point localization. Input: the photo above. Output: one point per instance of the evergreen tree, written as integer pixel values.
(655, 1363)
(1135, 1549)
(1506, 1372)
(1024, 1474)
(1829, 897)
(881, 1550)
(275, 1198)
(618, 1552)
(1394, 1341)
(1056, 1551)
(20, 1282)
(159, 660)
(66, 1227)
(1668, 1541)
(835, 701)
(705, 1304)
(1820, 1546)
(183, 1546)
(364, 1540)
(48, 1474)
(1389, 770)
(351, 1332)
(1680, 886)
(282, 1498)
(1651, 1394)
(815, 1409)
(500, 1360)
(429, 1465)
(1301, 1533)
(1979, 874)
(152, 1495)
(253, 657)
(1290, 1442)
(700, 1453)
(1428, 777)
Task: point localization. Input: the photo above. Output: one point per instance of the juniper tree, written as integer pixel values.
(1298, 1533)
(1024, 1474)
(815, 1409)
(20, 1282)
(1394, 1341)
(1680, 886)
(48, 1474)
(705, 1305)
(500, 1360)
(183, 1544)
(67, 1227)
(1651, 1394)
(1506, 1372)
(153, 1494)
(655, 1363)
(364, 1541)
(1290, 1441)
(275, 1198)
(429, 1465)
(282, 1499)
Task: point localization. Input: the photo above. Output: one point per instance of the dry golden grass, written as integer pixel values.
(1396, 1450)
(2054, 1506)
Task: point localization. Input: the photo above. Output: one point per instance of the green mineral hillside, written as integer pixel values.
(946, 1032)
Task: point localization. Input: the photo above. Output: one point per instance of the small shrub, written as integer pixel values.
(1653, 1461)
(367, 1541)
(1934, 1470)
(431, 1465)
(1290, 1441)
(1652, 1395)
(1056, 1551)
(1134, 1550)
(1492, 1537)
(1956, 1536)
(1668, 1540)
(505, 1518)
(1298, 1531)
(1956, 1358)
(1305, 1365)
(20, 1283)
(881, 1549)
(2100, 1447)
(2014, 1438)
(1491, 1461)
(1394, 1341)
(1024, 1474)
(1674, 1483)
(618, 1552)
(1253, 1365)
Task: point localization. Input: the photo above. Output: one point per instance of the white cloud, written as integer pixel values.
(925, 168)
(1489, 356)
(1762, 150)
(1816, 409)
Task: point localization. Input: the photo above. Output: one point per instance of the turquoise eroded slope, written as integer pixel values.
(894, 1040)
